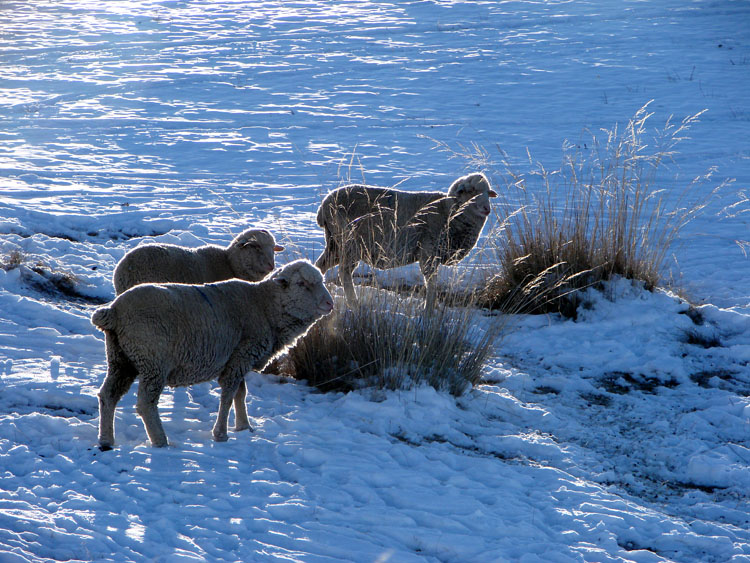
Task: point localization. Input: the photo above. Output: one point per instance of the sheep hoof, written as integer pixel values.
(105, 446)
(221, 437)
(241, 427)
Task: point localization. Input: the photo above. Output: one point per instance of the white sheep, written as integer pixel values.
(387, 228)
(248, 257)
(179, 335)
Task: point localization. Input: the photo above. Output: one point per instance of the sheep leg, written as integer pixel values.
(229, 381)
(431, 294)
(329, 257)
(241, 421)
(345, 276)
(120, 376)
(429, 271)
(149, 391)
(322, 262)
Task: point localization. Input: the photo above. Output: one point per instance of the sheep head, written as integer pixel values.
(303, 293)
(251, 254)
(473, 193)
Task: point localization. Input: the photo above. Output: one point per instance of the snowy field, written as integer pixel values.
(621, 436)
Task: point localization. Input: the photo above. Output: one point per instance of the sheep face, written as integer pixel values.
(473, 193)
(303, 294)
(251, 254)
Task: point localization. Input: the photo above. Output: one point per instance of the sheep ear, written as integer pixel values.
(493, 193)
(281, 281)
(278, 248)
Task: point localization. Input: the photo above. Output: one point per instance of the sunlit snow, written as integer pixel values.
(614, 437)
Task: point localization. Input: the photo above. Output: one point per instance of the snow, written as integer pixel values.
(622, 435)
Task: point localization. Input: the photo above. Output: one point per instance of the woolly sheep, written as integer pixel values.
(249, 257)
(179, 335)
(387, 228)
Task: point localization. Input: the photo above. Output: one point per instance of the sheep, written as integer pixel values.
(249, 257)
(387, 228)
(180, 335)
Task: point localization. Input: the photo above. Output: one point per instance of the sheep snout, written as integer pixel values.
(325, 306)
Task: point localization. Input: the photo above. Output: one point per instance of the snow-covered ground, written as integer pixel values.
(623, 435)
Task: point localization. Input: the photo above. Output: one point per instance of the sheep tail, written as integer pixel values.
(104, 318)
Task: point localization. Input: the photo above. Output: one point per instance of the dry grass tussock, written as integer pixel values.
(44, 278)
(601, 214)
(387, 341)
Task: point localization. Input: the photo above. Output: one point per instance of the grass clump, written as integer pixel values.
(601, 214)
(42, 277)
(12, 261)
(387, 341)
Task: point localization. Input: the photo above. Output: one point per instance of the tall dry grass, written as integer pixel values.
(603, 213)
(388, 341)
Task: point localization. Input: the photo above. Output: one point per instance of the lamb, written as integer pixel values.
(179, 335)
(249, 257)
(387, 228)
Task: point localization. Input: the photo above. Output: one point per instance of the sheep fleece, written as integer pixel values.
(177, 334)
(248, 257)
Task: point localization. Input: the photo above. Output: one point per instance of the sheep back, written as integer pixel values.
(168, 263)
(343, 205)
(250, 257)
